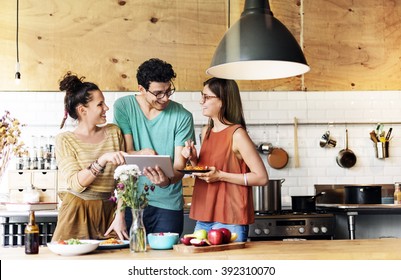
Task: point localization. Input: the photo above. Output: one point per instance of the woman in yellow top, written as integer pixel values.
(222, 198)
(87, 157)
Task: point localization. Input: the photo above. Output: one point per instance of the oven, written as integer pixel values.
(287, 225)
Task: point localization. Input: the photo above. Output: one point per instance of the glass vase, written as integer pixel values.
(137, 234)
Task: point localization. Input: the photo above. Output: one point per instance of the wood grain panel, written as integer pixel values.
(106, 41)
(349, 44)
(353, 45)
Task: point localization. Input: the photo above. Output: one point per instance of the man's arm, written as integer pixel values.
(129, 147)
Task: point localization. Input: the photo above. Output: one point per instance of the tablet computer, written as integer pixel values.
(163, 161)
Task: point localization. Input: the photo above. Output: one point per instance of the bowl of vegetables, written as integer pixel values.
(162, 240)
(73, 247)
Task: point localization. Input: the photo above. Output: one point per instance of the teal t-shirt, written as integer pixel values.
(172, 127)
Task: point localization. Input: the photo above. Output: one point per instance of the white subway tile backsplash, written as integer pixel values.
(43, 111)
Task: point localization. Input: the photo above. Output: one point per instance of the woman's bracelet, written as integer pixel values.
(97, 165)
(95, 168)
(245, 179)
(94, 171)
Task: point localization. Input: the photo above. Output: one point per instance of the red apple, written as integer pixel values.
(186, 240)
(199, 242)
(215, 236)
(226, 235)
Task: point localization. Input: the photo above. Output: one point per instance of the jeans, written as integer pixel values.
(159, 220)
(240, 230)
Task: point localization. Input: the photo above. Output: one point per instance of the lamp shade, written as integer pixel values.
(258, 47)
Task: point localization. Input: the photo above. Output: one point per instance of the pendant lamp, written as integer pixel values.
(17, 65)
(258, 47)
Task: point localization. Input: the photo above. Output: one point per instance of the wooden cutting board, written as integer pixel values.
(212, 248)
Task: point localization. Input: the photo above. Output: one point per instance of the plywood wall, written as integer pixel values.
(349, 44)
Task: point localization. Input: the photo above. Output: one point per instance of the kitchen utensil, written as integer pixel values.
(325, 141)
(382, 149)
(188, 163)
(265, 148)
(304, 203)
(389, 134)
(379, 129)
(296, 154)
(346, 157)
(212, 248)
(373, 136)
(278, 158)
(268, 198)
(362, 194)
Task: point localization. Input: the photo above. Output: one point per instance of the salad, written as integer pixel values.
(71, 241)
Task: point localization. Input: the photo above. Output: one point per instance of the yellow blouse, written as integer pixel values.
(73, 155)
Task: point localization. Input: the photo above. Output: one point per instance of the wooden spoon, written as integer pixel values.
(296, 155)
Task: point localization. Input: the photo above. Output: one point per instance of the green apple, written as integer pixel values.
(198, 234)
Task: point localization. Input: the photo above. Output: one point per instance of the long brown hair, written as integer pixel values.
(231, 111)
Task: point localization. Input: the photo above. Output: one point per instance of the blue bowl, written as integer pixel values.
(162, 240)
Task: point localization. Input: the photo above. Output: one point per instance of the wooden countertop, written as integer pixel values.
(364, 249)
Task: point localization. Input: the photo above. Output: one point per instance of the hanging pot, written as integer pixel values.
(362, 194)
(304, 203)
(278, 158)
(267, 198)
(346, 157)
(265, 148)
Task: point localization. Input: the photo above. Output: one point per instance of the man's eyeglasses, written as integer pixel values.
(205, 97)
(161, 94)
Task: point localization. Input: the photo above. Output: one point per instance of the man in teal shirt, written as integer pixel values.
(154, 124)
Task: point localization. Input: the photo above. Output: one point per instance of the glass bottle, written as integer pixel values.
(397, 194)
(31, 235)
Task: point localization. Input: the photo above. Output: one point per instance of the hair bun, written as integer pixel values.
(71, 82)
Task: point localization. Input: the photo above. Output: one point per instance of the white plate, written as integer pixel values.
(73, 250)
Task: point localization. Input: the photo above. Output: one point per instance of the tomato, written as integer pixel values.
(62, 242)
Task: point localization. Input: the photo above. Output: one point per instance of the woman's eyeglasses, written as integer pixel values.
(161, 94)
(205, 97)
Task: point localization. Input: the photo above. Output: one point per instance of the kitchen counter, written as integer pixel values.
(372, 249)
(362, 208)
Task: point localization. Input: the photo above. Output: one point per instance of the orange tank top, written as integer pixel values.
(221, 201)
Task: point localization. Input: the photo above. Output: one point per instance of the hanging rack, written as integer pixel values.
(318, 123)
(326, 123)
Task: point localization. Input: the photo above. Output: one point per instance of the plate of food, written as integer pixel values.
(73, 247)
(113, 243)
(194, 169)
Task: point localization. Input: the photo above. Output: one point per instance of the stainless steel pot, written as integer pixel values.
(268, 198)
(346, 157)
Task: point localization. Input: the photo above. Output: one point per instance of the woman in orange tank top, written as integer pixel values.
(222, 197)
